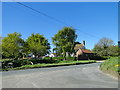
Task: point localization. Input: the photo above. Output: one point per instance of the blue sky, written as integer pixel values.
(92, 20)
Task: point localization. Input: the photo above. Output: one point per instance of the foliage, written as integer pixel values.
(55, 50)
(25, 50)
(105, 47)
(105, 42)
(55, 58)
(113, 50)
(62, 63)
(46, 60)
(97, 57)
(110, 65)
(59, 58)
(1, 60)
(11, 45)
(64, 40)
(38, 45)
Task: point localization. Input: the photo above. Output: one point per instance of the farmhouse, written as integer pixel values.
(81, 52)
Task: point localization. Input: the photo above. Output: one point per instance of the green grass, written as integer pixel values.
(62, 63)
(110, 66)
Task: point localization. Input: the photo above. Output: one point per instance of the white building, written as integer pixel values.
(52, 55)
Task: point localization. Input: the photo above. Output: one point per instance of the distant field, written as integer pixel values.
(111, 66)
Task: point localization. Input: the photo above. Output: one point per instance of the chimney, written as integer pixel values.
(119, 44)
(84, 43)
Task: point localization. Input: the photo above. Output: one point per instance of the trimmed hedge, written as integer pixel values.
(60, 58)
(18, 63)
(64, 63)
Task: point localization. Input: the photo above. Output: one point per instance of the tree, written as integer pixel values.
(55, 50)
(64, 40)
(25, 49)
(38, 45)
(113, 50)
(11, 45)
(105, 42)
(103, 47)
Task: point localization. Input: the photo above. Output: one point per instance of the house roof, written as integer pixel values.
(86, 51)
(78, 46)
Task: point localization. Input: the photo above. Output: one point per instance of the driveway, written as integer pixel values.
(75, 76)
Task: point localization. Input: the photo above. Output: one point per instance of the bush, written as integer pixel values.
(70, 58)
(63, 63)
(54, 58)
(17, 63)
(59, 58)
(5, 63)
(46, 60)
(111, 66)
(96, 57)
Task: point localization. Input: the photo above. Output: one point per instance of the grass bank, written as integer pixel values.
(62, 63)
(111, 66)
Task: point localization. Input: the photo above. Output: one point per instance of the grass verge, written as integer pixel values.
(111, 66)
(62, 63)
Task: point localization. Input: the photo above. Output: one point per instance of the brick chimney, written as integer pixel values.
(83, 42)
(119, 44)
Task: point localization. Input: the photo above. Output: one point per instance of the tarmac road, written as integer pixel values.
(75, 76)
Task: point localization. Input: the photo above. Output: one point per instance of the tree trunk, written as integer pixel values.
(64, 55)
(64, 58)
(69, 54)
(75, 58)
(50, 58)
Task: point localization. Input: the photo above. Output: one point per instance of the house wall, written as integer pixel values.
(85, 56)
(79, 52)
(82, 57)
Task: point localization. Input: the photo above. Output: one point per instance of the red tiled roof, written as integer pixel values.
(86, 51)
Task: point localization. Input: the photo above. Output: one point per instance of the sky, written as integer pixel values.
(92, 20)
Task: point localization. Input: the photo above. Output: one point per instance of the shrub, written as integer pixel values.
(96, 57)
(17, 63)
(59, 58)
(111, 65)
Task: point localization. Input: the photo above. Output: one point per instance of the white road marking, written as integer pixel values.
(35, 85)
(84, 68)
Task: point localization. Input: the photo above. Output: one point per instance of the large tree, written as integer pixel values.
(104, 47)
(113, 50)
(25, 51)
(11, 45)
(38, 45)
(64, 40)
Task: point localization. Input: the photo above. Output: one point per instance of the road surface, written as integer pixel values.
(75, 76)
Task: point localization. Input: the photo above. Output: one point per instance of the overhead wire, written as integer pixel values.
(59, 21)
(42, 13)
